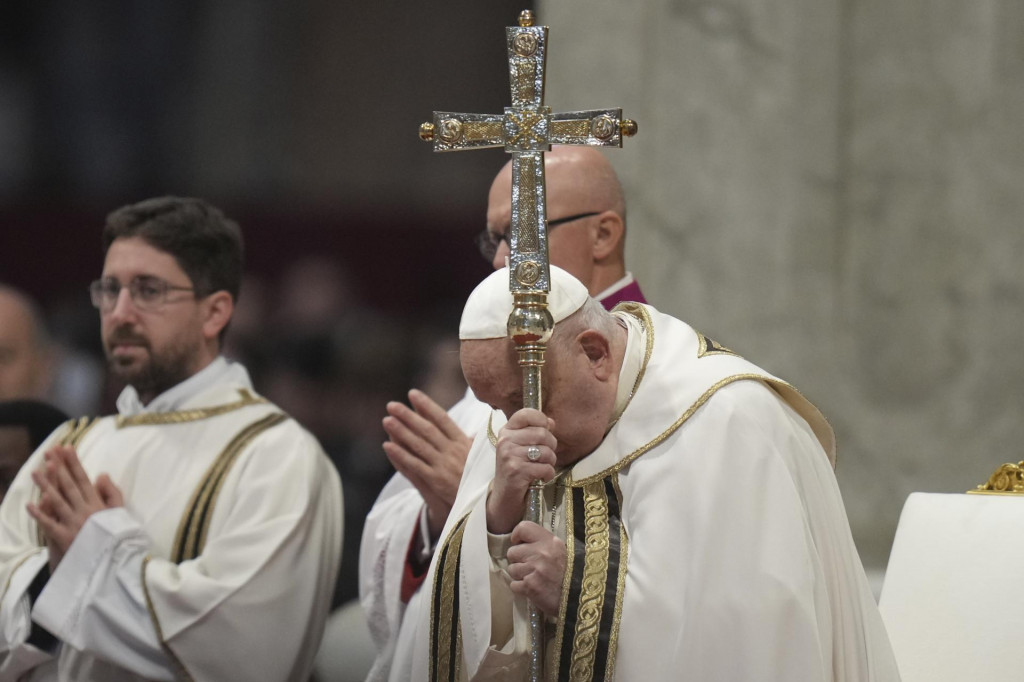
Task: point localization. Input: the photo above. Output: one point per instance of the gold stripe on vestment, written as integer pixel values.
(613, 640)
(778, 386)
(77, 430)
(570, 558)
(446, 620)
(73, 426)
(181, 669)
(586, 635)
(236, 449)
(628, 459)
(195, 522)
(69, 429)
(712, 347)
(491, 436)
(592, 590)
(83, 429)
(184, 416)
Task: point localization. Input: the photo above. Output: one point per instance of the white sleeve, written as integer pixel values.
(495, 623)
(21, 559)
(19, 656)
(386, 536)
(382, 557)
(476, 479)
(95, 600)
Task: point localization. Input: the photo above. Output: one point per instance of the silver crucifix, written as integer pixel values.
(526, 130)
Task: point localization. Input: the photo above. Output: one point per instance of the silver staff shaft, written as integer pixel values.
(530, 326)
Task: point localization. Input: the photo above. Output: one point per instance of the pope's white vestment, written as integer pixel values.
(391, 524)
(219, 567)
(389, 527)
(708, 541)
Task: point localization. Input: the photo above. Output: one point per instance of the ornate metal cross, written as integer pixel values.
(526, 130)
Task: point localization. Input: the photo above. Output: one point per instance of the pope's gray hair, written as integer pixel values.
(591, 315)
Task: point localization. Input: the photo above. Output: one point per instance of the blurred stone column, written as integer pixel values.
(832, 189)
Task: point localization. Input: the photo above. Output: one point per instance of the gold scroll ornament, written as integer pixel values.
(1008, 479)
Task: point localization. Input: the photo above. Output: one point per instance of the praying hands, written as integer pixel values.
(429, 449)
(67, 499)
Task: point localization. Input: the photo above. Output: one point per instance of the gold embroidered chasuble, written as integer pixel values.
(681, 371)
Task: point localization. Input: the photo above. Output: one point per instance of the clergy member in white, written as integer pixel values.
(706, 536)
(195, 535)
(428, 447)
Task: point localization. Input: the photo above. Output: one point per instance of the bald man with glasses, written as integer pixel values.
(427, 446)
(586, 222)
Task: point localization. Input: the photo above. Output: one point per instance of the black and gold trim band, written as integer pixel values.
(182, 671)
(191, 536)
(597, 552)
(708, 346)
(246, 398)
(77, 428)
(445, 625)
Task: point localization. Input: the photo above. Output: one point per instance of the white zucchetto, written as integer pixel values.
(486, 313)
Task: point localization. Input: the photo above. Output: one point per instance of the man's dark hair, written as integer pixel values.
(206, 244)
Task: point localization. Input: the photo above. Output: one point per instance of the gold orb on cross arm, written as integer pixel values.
(526, 18)
(427, 131)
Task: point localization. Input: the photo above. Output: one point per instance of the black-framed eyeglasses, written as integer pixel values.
(488, 242)
(147, 293)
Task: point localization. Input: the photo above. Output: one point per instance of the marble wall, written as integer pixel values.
(833, 189)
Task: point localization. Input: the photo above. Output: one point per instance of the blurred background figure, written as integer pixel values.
(25, 358)
(440, 374)
(24, 425)
(63, 368)
(332, 360)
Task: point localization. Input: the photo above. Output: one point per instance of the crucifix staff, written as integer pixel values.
(526, 130)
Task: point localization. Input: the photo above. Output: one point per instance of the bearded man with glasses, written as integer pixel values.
(427, 446)
(196, 534)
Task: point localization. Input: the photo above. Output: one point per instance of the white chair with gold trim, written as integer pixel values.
(953, 595)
